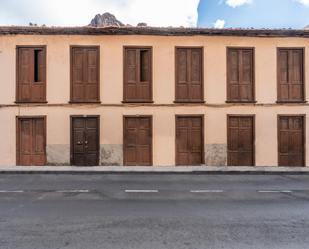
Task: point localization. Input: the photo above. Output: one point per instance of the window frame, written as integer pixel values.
(253, 101)
(98, 101)
(202, 101)
(136, 47)
(17, 74)
(303, 49)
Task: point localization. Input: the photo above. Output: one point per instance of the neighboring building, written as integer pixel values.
(153, 96)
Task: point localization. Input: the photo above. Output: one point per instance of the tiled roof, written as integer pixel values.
(30, 30)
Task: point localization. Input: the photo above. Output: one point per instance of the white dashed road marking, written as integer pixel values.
(207, 191)
(141, 191)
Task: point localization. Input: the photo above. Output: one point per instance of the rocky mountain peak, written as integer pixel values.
(105, 20)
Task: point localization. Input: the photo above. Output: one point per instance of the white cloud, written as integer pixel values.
(219, 24)
(80, 12)
(304, 2)
(237, 3)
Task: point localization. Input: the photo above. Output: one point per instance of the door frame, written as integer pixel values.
(304, 134)
(151, 133)
(71, 135)
(17, 119)
(202, 116)
(253, 116)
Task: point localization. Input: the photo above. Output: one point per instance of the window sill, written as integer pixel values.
(189, 102)
(291, 102)
(241, 102)
(137, 102)
(30, 102)
(82, 102)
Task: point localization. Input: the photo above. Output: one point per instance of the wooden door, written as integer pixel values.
(31, 141)
(189, 140)
(291, 144)
(85, 141)
(240, 140)
(138, 141)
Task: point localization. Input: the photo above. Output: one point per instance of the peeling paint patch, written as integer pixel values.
(215, 154)
(111, 155)
(58, 154)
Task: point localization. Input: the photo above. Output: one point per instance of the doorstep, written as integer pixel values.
(154, 169)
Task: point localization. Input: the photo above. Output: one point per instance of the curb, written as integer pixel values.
(155, 170)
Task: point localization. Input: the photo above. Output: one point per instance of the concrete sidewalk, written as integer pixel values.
(154, 169)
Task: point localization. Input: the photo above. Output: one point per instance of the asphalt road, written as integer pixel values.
(154, 211)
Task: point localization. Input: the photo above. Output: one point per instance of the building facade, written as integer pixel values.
(153, 96)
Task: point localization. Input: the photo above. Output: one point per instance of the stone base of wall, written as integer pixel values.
(111, 155)
(215, 154)
(58, 154)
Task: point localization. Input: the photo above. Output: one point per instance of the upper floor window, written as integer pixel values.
(240, 75)
(85, 74)
(31, 74)
(291, 75)
(137, 74)
(189, 75)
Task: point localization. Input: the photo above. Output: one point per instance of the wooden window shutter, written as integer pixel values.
(92, 75)
(85, 74)
(137, 74)
(290, 75)
(31, 74)
(240, 75)
(189, 75)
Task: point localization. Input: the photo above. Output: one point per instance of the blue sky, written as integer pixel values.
(202, 13)
(254, 13)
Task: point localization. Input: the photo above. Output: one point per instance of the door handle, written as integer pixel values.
(79, 142)
(86, 142)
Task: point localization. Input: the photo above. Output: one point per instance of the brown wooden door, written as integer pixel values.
(291, 144)
(189, 140)
(240, 141)
(189, 75)
(138, 141)
(85, 141)
(31, 141)
(290, 75)
(85, 74)
(240, 75)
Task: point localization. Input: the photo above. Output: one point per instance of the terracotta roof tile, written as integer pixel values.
(158, 31)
